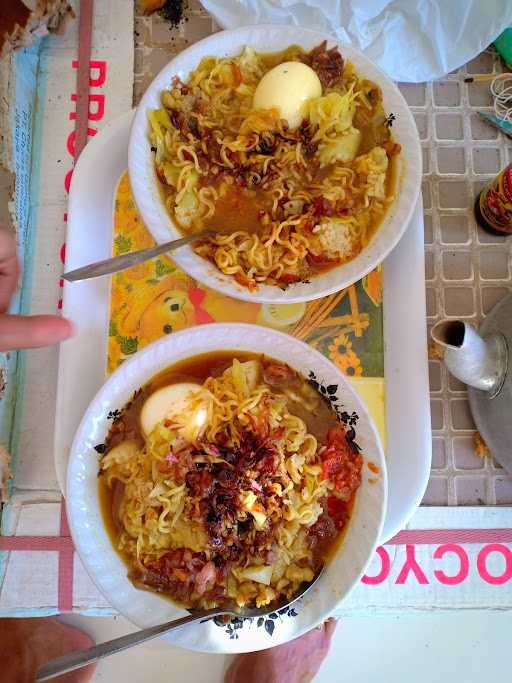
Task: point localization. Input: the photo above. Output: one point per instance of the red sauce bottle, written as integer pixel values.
(493, 206)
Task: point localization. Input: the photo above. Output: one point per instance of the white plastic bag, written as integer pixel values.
(412, 40)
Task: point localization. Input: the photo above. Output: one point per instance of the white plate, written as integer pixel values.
(267, 39)
(108, 571)
(82, 360)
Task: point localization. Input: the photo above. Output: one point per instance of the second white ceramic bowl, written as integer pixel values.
(108, 571)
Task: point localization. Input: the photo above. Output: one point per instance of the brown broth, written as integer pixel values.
(290, 54)
(239, 209)
(109, 515)
(198, 368)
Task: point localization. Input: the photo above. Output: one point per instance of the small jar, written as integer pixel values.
(493, 206)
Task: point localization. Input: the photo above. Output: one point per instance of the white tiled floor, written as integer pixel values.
(470, 646)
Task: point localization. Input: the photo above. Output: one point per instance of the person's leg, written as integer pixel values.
(295, 662)
(27, 644)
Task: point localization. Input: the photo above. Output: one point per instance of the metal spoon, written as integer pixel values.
(76, 660)
(133, 258)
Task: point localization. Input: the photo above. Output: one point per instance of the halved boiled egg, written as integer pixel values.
(287, 87)
(165, 403)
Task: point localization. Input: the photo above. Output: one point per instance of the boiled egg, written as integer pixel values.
(165, 403)
(286, 88)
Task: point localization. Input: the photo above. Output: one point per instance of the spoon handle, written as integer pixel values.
(133, 258)
(76, 660)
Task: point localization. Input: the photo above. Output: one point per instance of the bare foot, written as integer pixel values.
(295, 662)
(27, 644)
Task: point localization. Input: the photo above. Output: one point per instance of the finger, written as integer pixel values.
(9, 267)
(330, 627)
(26, 332)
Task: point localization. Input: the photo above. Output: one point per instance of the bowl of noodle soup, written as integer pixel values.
(302, 211)
(282, 475)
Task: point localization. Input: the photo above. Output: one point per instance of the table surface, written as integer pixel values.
(467, 270)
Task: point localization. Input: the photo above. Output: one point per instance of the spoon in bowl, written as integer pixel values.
(76, 660)
(133, 258)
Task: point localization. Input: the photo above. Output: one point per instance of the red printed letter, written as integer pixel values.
(481, 564)
(67, 180)
(463, 572)
(385, 566)
(101, 67)
(96, 115)
(411, 565)
(70, 143)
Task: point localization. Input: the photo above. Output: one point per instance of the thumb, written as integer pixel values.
(330, 627)
(26, 332)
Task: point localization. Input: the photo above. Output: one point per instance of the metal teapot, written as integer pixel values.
(482, 360)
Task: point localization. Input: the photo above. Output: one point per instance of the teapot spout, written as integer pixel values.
(480, 363)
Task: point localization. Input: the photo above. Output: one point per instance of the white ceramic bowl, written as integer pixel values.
(107, 570)
(267, 39)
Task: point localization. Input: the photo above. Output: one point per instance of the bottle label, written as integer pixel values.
(496, 202)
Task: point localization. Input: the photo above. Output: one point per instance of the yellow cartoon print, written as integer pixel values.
(156, 298)
(340, 346)
(157, 310)
(349, 364)
(372, 285)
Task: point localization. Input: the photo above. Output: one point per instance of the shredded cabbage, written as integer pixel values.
(245, 376)
(332, 113)
(260, 574)
(343, 148)
(251, 64)
(159, 441)
(160, 121)
(171, 173)
(188, 203)
(239, 379)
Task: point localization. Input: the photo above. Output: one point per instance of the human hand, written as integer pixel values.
(27, 644)
(23, 332)
(295, 662)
